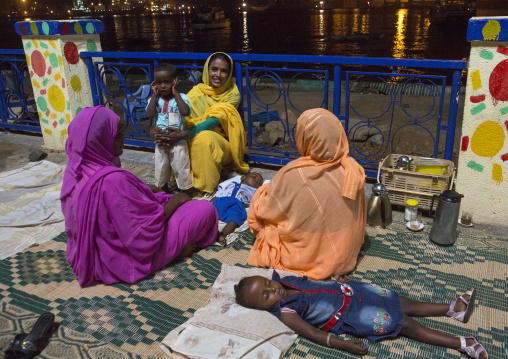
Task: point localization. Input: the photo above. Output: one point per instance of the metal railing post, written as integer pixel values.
(452, 116)
(337, 90)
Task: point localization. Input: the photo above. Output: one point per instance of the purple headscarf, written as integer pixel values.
(87, 154)
(116, 226)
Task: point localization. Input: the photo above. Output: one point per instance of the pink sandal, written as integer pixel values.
(463, 316)
(470, 350)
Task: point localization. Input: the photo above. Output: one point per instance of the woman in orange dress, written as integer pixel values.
(310, 219)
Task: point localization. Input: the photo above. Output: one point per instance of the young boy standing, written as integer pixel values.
(170, 107)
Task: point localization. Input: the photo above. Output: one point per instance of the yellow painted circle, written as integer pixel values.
(491, 30)
(76, 83)
(56, 98)
(488, 139)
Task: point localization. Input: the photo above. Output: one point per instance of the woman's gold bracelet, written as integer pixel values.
(328, 340)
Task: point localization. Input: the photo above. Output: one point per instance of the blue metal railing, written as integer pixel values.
(123, 82)
(415, 100)
(17, 103)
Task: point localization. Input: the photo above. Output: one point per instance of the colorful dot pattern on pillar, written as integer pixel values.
(488, 95)
(52, 58)
(66, 27)
(487, 29)
(488, 139)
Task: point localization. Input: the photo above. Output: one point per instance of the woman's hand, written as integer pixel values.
(174, 203)
(171, 136)
(155, 189)
(168, 137)
(155, 132)
(180, 198)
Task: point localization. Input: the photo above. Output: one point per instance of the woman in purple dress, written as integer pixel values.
(119, 228)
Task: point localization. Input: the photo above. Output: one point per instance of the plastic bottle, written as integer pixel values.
(411, 207)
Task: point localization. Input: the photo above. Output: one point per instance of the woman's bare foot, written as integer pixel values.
(188, 250)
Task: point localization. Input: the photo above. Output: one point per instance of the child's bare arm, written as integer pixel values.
(151, 110)
(301, 327)
(183, 108)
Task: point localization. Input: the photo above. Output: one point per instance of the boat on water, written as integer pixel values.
(215, 19)
(452, 13)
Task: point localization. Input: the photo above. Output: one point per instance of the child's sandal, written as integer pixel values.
(463, 316)
(470, 350)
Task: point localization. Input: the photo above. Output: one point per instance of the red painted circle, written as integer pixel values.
(498, 81)
(22, 29)
(38, 63)
(71, 53)
(66, 28)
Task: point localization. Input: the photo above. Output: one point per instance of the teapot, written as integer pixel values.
(403, 162)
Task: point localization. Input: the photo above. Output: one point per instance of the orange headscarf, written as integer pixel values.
(310, 219)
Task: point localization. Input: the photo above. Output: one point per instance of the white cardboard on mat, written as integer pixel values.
(30, 209)
(224, 329)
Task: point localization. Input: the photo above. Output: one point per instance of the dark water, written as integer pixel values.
(406, 33)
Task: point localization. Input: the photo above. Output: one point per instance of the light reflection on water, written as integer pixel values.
(245, 33)
(399, 43)
(407, 33)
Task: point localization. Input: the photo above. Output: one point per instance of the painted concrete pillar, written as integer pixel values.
(59, 77)
(483, 159)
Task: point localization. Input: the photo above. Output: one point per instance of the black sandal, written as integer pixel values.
(27, 346)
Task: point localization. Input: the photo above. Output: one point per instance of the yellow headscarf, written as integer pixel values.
(221, 103)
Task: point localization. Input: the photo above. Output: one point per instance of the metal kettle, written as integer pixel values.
(379, 208)
(444, 228)
(403, 163)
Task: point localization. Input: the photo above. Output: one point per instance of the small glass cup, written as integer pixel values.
(416, 220)
(467, 218)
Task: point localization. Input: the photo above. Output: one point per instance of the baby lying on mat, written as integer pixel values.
(231, 201)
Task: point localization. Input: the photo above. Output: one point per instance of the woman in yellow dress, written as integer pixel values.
(214, 130)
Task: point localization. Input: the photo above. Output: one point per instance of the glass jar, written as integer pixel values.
(411, 207)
